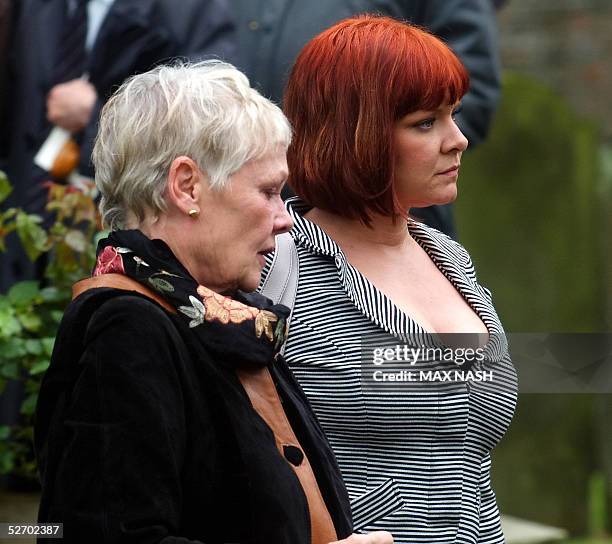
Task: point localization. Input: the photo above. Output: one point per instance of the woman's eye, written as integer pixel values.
(271, 193)
(426, 123)
(456, 112)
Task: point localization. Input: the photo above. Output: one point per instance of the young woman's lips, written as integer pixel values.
(453, 171)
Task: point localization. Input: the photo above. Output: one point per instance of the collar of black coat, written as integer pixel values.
(244, 330)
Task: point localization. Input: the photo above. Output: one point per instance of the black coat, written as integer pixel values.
(143, 437)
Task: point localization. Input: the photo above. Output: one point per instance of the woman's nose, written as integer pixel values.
(282, 220)
(455, 140)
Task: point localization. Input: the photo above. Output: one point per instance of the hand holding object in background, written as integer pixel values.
(69, 105)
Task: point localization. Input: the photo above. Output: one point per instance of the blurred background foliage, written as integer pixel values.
(30, 313)
(534, 211)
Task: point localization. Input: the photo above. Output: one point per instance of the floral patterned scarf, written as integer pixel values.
(246, 329)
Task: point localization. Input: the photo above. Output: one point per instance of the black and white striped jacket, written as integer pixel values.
(415, 456)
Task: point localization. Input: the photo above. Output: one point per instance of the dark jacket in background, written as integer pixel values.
(6, 24)
(271, 33)
(134, 36)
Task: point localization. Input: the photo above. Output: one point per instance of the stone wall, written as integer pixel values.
(566, 44)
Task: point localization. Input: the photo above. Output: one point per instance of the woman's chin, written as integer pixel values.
(447, 197)
(250, 283)
(441, 201)
(451, 198)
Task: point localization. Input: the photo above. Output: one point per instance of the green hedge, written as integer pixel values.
(533, 210)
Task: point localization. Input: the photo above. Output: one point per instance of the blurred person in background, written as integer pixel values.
(271, 34)
(166, 414)
(372, 102)
(65, 57)
(6, 12)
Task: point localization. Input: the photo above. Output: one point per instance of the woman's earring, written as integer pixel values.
(194, 213)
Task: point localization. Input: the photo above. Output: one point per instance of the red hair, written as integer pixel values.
(348, 87)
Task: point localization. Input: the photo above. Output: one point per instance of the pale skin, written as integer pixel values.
(224, 244)
(429, 147)
(70, 104)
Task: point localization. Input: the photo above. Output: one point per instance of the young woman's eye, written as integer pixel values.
(426, 123)
(456, 112)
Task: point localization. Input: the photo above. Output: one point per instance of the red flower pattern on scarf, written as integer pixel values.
(109, 261)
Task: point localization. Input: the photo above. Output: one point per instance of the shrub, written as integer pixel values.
(30, 312)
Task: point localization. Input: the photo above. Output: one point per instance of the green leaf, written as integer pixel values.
(52, 294)
(39, 367)
(9, 324)
(33, 237)
(12, 348)
(23, 293)
(5, 187)
(58, 230)
(161, 285)
(9, 214)
(33, 346)
(57, 316)
(30, 321)
(29, 404)
(48, 344)
(5, 432)
(9, 370)
(76, 240)
(7, 462)
(6, 225)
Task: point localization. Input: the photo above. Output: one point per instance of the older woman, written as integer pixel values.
(166, 415)
(373, 101)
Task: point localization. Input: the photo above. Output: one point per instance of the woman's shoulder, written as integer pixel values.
(114, 312)
(118, 302)
(442, 246)
(109, 335)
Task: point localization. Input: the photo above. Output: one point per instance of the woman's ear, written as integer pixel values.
(185, 184)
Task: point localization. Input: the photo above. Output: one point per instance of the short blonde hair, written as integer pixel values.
(206, 111)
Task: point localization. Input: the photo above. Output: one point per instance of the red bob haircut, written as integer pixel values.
(348, 87)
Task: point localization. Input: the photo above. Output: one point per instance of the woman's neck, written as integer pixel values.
(384, 233)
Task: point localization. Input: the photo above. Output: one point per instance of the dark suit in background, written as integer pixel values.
(134, 36)
(271, 33)
(6, 23)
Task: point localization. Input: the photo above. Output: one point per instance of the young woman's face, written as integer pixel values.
(428, 146)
